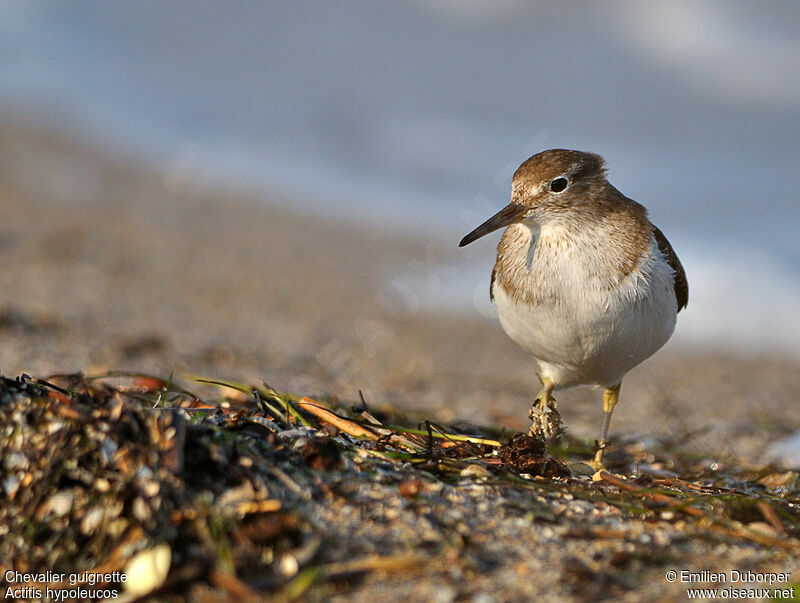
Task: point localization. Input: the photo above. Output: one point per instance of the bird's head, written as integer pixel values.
(548, 186)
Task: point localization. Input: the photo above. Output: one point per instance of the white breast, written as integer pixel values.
(580, 328)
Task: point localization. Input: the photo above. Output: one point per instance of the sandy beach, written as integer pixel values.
(110, 263)
(113, 264)
(242, 356)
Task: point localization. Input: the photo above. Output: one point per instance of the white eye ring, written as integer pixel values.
(559, 185)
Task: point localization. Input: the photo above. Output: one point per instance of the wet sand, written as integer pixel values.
(110, 263)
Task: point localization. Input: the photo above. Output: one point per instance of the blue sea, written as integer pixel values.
(414, 116)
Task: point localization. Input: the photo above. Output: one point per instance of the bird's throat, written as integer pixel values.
(531, 252)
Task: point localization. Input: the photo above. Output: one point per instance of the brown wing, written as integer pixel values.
(681, 284)
(491, 283)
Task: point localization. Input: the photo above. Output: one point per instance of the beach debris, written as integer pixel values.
(245, 491)
(528, 454)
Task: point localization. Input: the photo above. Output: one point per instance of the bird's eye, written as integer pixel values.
(558, 185)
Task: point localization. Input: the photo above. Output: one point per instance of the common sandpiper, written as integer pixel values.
(583, 280)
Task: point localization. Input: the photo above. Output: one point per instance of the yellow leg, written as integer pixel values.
(544, 423)
(610, 399)
(544, 398)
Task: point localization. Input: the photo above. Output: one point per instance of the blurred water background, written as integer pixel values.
(413, 116)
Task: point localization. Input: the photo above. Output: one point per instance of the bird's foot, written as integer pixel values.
(597, 462)
(597, 467)
(545, 418)
(544, 403)
(599, 449)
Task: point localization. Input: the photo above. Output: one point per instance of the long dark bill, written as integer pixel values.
(508, 215)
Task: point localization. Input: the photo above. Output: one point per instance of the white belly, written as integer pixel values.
(587, 333)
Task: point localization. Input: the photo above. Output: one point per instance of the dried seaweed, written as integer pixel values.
(249, 490)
